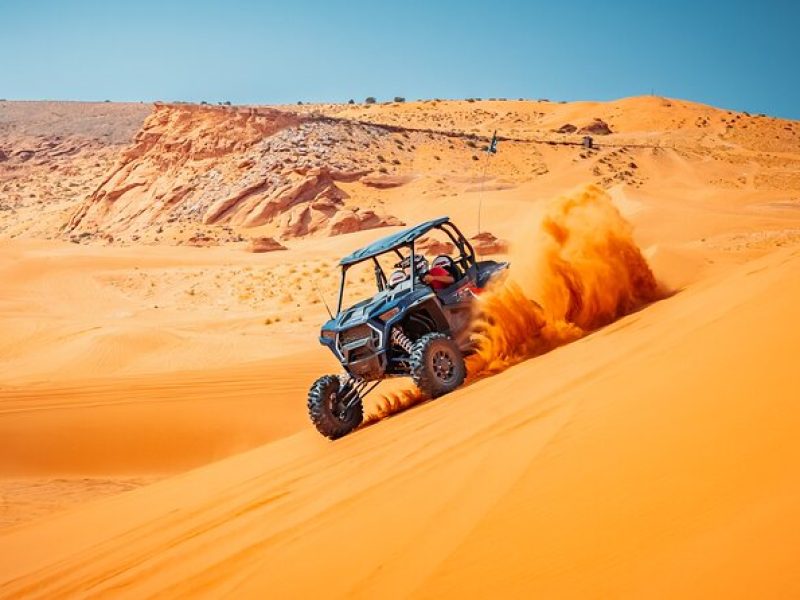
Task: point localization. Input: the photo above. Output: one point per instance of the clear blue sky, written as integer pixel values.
(736, 54)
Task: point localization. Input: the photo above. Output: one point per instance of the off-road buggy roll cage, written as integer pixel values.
(406, 239)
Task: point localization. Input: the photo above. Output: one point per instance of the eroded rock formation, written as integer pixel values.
(240, 168)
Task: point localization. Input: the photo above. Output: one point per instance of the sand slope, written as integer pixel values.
(656, 457)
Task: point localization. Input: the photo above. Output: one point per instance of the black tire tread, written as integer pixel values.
(327, 423)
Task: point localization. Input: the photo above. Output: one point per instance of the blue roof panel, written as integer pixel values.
(401, 238)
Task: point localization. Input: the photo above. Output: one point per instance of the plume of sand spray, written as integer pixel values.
(581, 263)
(578, 260)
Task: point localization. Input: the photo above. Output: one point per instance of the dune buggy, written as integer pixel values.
(405, 329)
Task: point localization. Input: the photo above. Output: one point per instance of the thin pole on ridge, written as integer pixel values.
(490, 150)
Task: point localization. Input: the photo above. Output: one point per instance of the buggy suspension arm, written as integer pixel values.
(360, 389)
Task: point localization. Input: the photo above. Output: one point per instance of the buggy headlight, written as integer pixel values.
(327, 334)
(388, 314)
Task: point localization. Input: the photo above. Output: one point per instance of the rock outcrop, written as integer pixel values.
(433, 247)
(264, 244)
(596, 127)
(567, 128)
(487, 243)
(349, 221)
(239, 168)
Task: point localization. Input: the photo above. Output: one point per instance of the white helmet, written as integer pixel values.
(420, 264)
(396, 278)
(443, 261)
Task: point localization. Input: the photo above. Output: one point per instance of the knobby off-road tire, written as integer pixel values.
(324, 408)
(437, 366)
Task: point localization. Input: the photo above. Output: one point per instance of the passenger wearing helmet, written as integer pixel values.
(438, 276)
(448, 264)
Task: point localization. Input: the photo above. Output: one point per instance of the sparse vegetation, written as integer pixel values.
(370, 100)
(399, 99)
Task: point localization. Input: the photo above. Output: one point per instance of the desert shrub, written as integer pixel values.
(370, 100)
(351, 101)
(399, 99)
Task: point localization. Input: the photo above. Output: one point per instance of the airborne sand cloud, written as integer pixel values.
(575, 267)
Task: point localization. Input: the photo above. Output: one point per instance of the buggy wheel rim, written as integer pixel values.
(336, 406)
(443, 366)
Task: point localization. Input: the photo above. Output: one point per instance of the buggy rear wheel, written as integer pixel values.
(334, 409)
(437, 365)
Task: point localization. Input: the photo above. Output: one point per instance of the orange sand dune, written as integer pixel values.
(156, 424)
(655, 457)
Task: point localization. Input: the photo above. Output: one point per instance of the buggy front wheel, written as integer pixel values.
(335, 409)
